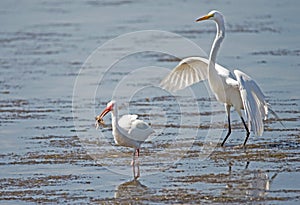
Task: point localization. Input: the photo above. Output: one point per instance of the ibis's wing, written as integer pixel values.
(255, 105)
(140, 130)
(187, 72)
(126, 121)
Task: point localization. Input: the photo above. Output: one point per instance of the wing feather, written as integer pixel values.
(136, 129)
(255, 105)
(126, 121)
(189, 71)
(140, 130)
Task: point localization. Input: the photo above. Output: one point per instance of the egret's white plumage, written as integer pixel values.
(128, 131)
(239, 91)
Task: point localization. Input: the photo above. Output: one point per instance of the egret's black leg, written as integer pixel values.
(229, 126)
(247, 130)
(228, 133)
(247, 165)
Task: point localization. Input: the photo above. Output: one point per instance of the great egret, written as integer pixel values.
(239, 91)
(128, 131)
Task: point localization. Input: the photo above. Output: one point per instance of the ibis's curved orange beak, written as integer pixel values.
(104, 112)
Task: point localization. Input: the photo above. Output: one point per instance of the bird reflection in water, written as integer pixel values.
(136, 170)
(250, 184)
(132, 189)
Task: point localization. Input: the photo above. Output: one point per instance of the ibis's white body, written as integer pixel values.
(128, 131)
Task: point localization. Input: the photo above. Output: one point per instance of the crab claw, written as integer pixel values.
(99, 121)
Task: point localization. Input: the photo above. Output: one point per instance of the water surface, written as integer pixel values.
(45, 157)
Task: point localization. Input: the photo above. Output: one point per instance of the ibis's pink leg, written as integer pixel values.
(133, 157)
(136, 154)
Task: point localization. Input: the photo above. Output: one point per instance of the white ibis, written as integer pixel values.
(128, 131)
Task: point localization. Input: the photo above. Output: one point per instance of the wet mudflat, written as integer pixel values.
(50, 155)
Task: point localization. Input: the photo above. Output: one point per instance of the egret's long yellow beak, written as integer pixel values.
(204, 17)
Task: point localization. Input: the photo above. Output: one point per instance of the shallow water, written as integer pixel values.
(52, 86)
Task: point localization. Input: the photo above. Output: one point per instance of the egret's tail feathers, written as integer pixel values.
(276, 116)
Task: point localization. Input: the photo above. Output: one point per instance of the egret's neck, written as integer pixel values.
(216, 44)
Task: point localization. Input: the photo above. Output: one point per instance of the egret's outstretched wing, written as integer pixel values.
(126, 121)
(187, 72)
(255, 105)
